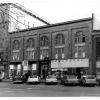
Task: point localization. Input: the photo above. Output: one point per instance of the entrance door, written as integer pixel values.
(44, 71)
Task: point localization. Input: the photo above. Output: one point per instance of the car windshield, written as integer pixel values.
(34, 76)
(51, 76)
(90, 77)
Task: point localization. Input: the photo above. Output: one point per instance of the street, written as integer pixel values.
(7, 89)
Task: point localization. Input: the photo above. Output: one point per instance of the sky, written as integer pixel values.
(55, 11)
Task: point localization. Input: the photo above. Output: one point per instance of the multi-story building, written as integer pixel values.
(65, 47)
(13, 17)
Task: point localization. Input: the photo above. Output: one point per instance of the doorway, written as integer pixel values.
(44, 71)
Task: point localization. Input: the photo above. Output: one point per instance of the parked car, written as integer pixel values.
(70, 80)
(19, 79)
(51, 79)
(1, 76)
(88, 80)
(98, 79)
(33, 79)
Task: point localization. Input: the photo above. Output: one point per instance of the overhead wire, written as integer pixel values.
(12, 17)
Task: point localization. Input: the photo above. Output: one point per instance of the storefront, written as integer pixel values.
(30, 67)
(15, 70)
(70, 66)
(44, 68)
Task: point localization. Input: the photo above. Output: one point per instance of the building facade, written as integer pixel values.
(63, 47)
(96, 52)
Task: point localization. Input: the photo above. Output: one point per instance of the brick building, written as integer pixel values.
(64, 47)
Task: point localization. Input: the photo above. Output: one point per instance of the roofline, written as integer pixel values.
(53, 25)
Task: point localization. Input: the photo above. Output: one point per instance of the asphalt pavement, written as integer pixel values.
(8, 89)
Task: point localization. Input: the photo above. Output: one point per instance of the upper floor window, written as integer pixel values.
(16, 45)
(44, 41)
(59, 39)
(80, 37)
(30, 43)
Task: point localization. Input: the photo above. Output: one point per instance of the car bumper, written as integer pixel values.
(71, 82)
(51, 82)
(18, 81)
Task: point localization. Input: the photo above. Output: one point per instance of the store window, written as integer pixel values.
(44, 41)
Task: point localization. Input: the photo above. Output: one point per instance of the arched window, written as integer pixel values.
(80, 37)
(16, 45)
(44, 41)
(83, 38)
(59, 40)
(30, 43)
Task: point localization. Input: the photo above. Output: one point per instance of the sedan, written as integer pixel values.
(70, 80)
(88, 80)
(18, 79)
(33, 79)
(51, 79)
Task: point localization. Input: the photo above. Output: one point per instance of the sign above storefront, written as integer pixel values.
(70, 63)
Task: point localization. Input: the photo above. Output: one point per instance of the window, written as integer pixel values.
(16, 45)
(44, 41)
(80, 37)
(83, 38)
(59, 53)
(30, 54)
(98, 48)
(16, 56)
(80, 52)
(59, 40)
(30, 43)
(59, 48)
(44, 53)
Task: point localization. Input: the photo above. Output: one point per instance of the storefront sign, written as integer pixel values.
(70, 63)
(33, 66)
(11, 66)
